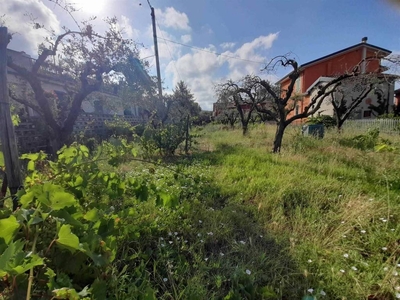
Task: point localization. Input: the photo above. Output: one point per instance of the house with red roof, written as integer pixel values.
(366, 56)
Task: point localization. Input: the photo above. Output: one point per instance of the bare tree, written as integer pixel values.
(278, 104)
(83, 59)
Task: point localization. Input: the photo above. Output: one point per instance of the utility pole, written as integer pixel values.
(7, 134)
(153, 19)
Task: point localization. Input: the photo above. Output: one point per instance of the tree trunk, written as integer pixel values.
(244, 129)
(280, 130)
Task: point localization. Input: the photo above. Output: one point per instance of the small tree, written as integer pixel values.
(82, 59)
(279, 104)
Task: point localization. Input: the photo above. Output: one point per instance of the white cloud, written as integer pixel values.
(17, 19)
(227, 45)
(199, 69)
(128, 30)
(171, 18)
(186, 38)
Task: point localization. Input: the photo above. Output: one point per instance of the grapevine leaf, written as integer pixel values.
(7, 256)
(28, 263)
(26, 199)
(66, 293)
(60, 200)
(166, 200)
(31, 165)
(67, 239)
(8, 228)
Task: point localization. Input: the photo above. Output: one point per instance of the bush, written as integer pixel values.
(327, 121)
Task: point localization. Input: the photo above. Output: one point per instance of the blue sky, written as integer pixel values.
(253, 30)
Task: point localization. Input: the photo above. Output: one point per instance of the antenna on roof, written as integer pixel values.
(364, 39)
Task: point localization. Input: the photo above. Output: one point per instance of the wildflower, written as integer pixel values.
(261, 236)
(371, 199)
(340, 196)
(200, 221)
(310, 291)
(165, 279)
(185, 241)
(363, 231)
(395, 273)
(397, 288)
(169, 233)
(398, 265)
(345, 255)
(170, 242)
(381, 219)
(342, 222)
(175, 233)
(345, 236)
(242, 242)
(385, 269)
(206, 259)
(309, 261)
(221, 254)
(199, 234)
(384, 220)
(178, 238)
(398, 295)
(384, 248)
(161, 238)
(201, 241)
(341, 270)
(392, 229)
(322, 293)
(354, 268)
(210, 233)
(248, 272)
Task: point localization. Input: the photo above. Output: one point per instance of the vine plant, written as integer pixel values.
(58, 244)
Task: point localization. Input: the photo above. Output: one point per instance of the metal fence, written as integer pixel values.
(390, 126)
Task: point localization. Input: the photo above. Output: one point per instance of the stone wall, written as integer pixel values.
(32, 138)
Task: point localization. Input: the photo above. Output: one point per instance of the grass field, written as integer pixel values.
(329, 212)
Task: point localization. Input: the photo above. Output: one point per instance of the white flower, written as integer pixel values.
(354, 268)
(206, 259)
(345, 255)
(342, 222)
(371, 199)
(345, 236)
(397, 288)
(175, 233)
(221, 254)
(242, 242)
(165, 279)
(395, 273)
(310, 290)
(200, 221)
(261, 236)
(341, 270)
(178, 238)
(363, 231)
(185, 241)
(392, 229)
(170, 242)
(199, 234)
(381, 219)
(398, 295)
(384, 248)
(201, 241)
(210, 233)
(161, 238)
(398, 265)
(322, 293)
(309, 261)
(248, 272)
(169, 233)
(384, 220)
(385, 269)
(340, 196)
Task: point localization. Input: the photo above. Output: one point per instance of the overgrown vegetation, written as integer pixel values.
(233, 221)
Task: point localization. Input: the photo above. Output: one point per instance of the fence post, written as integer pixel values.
(7, 134)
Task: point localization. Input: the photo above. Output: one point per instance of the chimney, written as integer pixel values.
(364, 55)
(364, 39)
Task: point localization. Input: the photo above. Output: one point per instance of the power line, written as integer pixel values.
(216, 53)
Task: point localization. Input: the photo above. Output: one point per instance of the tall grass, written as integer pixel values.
(333, 208)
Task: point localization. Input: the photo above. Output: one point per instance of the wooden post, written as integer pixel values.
(7, 134)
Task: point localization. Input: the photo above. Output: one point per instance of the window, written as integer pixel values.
(367, 114)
